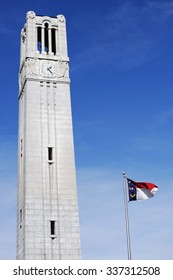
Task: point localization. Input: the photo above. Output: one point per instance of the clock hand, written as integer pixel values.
(49, 70)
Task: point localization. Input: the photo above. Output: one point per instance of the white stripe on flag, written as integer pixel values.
(142, 194)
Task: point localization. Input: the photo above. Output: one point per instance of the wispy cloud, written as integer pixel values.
(160, 10)
(125, 37)
(151, 143)
(163, 117)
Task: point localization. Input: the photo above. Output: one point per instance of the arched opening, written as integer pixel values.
(39, 45)
(46, 42)
(46, 39)
(53, 41)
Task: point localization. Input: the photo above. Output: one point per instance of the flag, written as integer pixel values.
(140, 191)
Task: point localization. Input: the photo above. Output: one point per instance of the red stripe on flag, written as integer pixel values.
(148, 186)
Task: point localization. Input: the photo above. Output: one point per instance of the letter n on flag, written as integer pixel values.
(140, 190)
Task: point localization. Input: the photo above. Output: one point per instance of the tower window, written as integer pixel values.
(50, 153)
(53, 41)
(20, 218)
(39, 46)
(46, 37)
(21, 147)
(52, 227)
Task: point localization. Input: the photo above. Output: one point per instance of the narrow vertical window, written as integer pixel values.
(39, 47)
(46, 44)
(50, 153)
(53, 41)
(20, 218)
(52, 227)
(21, 147)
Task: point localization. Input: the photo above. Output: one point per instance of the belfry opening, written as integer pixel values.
(46, 39)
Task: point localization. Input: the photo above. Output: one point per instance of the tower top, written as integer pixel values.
(43, 37)
(32, 14)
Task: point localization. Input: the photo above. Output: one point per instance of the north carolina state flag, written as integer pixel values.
(140, 191)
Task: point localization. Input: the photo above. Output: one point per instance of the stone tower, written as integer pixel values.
(47, 213)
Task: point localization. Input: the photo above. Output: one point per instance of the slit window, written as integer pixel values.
(21, 147)
(39, 47)
(50, 153)
(20, 218)
(52, 227)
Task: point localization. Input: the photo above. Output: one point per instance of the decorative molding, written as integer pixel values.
(22, 77)
(61, 18)
(30, 15)
(23, 34)
(33, 67)
(63, 69)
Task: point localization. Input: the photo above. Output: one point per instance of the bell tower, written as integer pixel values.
(47, 212)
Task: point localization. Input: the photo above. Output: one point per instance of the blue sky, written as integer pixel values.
(121, 67)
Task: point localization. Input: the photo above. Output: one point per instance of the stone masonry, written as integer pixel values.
(47, 213)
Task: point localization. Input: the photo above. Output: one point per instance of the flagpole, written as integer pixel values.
(126, 216)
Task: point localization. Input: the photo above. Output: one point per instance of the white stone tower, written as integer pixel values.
(47, 214)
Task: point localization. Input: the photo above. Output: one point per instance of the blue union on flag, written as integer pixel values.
(140, 190)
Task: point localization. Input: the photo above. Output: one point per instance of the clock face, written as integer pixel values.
(48, 69)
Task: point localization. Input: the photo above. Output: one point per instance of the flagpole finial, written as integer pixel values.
(124, 174)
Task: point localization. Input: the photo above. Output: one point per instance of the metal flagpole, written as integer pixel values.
(126, 216)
